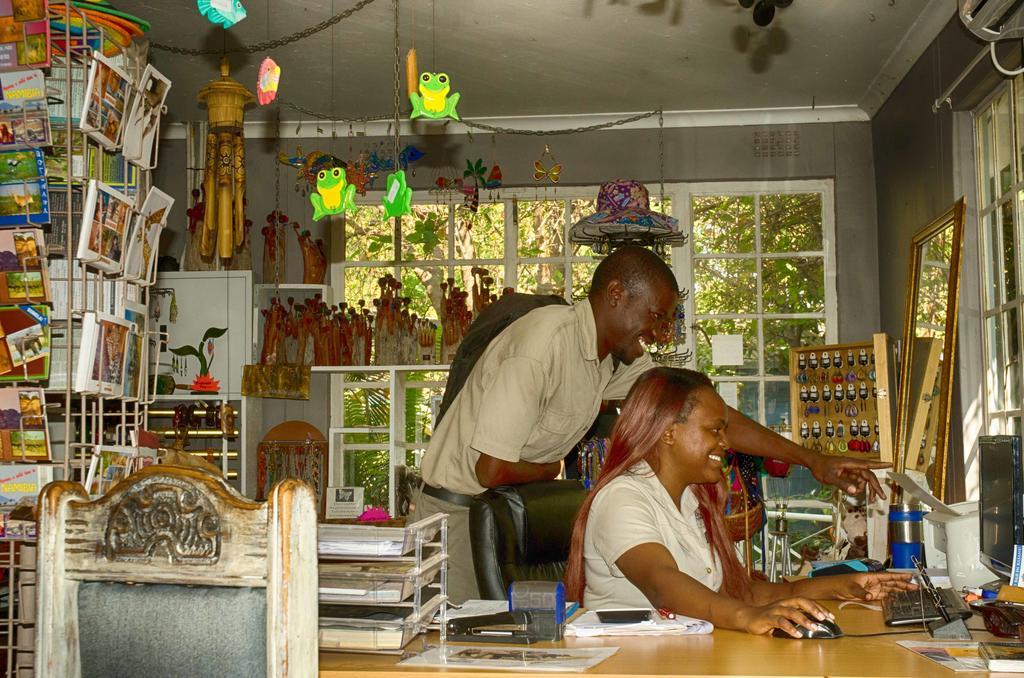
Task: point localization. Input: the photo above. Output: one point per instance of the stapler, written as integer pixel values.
(518, 626)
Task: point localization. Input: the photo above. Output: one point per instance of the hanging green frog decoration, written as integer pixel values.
(397, 200)
(333, 195)
(433, 99)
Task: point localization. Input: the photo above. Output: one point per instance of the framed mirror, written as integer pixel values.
(929, 349)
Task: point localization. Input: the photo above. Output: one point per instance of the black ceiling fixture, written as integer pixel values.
(764, 10)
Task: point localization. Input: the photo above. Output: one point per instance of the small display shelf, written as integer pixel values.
(841, 398)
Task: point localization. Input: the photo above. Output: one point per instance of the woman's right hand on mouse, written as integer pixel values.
(784, 614)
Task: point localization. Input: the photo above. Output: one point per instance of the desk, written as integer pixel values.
(723, 653)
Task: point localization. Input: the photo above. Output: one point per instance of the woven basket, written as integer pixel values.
(743, 525)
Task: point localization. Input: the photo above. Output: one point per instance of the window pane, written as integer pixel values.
(368, 469)
(791, 222)
(480, 235)
(425, 233)
(725, 286)
(361, 284)
(1009, 256)
(1013, 376)
(491, 277)
(1004, 143)
(541, 227)
(577, 210)
(782, 335)
(656, 204)
(708, 328)
(423, 287)
(582, 274)
(991, 233)
(776, 406)
(723, 223)
(996, 369)
(542, 279)
(369, 235)
(747, 396)
(1018, 88)
(986, 161)
(793, 285)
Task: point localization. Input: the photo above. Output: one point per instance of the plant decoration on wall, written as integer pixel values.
(224, 13)
(267, 81)
(203, 383)
(333, 194)
(397, 199)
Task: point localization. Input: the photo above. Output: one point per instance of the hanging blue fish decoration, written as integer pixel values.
(224, 13)
(409, 155)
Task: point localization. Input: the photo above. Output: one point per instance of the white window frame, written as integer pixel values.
(997, 422)
(682, 207)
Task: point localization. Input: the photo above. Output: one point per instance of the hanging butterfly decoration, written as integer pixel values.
(552, 172)
(267, 81)
(225, 13)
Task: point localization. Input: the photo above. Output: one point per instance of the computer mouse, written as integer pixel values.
(826, 629)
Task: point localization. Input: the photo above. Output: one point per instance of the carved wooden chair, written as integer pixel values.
(173, 573)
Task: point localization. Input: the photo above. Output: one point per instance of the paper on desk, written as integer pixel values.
(920, 493)
(954, 655)
(588, 625)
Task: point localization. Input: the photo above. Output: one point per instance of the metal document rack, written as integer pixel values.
(380, 587)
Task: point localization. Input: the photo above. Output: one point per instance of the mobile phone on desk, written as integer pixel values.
(623, 616)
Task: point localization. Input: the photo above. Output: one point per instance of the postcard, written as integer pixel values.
(24, 34)
(24, 342)
(135, 350)
(106, 100)
(104, 225)
(110, 465)
(105, 338)
(24, 275)
(24, 123)
(140, 258)
(23, 431)
(22, 165)
(28, 344)
(143, 126)
(25, 203)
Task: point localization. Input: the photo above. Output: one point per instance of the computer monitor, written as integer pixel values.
(1001, 509)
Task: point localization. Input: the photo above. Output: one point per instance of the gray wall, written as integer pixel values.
(922, 165)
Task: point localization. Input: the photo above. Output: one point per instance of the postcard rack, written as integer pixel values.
(380, 587)
(841, 398)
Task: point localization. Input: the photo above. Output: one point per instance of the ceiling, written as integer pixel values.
(556, 57)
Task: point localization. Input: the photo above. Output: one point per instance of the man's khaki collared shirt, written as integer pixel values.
(534, 392)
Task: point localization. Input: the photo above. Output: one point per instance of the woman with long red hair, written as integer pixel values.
(652, 532)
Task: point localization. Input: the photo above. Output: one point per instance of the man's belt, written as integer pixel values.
(450, 497)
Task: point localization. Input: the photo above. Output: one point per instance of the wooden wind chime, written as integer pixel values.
(223, 227)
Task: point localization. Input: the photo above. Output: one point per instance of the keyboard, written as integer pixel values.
(913, 607)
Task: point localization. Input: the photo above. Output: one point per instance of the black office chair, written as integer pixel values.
(522, 533)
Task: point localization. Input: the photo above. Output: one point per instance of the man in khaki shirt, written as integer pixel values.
(538, 387)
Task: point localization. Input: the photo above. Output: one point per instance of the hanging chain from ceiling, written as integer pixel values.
(270, 44)
(483, 126)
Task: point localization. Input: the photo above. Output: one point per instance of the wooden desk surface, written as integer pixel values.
(722, 653)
